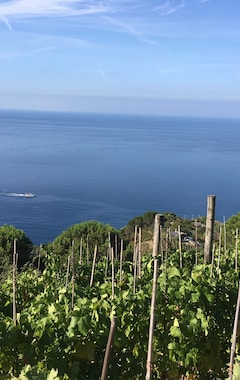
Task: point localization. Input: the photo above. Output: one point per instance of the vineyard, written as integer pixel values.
(58, 313)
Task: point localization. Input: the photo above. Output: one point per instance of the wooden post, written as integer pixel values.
(39, 257)
(169, 238)
(87, 251)
(80, 251)
(161, 244)
(135, 245)
(234, 336)
(219, 247)
(135, 259)
(113, 274)
(116, 247)
(236, 250)
(93, 265)
(224, 236)
(212, 263)
(67, 274)
(121, 261)
(14, 281)
(156, 239)
(109, 247)
(180, 245)
(209, 229)
(108, 349)
(106, 266)
(73, 274)
(139, 252)
(166, 245)
(196, 242)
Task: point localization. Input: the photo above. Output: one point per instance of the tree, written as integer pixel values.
(91, 234)
(233, 227)
(24, 247)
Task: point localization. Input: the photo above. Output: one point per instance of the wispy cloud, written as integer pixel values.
(131, 30)
(23, 9)
(6, 22)
(20, 54)
(27, 8)
(170, 6)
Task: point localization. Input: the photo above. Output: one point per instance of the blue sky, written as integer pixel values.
(170, 57)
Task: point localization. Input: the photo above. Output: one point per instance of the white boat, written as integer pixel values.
(29, 195)
(20, 195)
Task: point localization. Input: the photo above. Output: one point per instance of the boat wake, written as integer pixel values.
(18, 195)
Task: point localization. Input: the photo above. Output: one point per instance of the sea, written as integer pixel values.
(112, 168)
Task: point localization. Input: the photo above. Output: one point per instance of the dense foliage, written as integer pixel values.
(63, 319)
(194, 317)
(84, 236)
(24, 247)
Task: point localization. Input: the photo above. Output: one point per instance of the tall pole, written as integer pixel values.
(14, 281)
(234, 336)
(93, 265)
(139, 252)
(73, 274)
(121, 261)
(108, 349)
(196, 241)
(113, 274)
(209, 228)
(180, 245)
(156, 239)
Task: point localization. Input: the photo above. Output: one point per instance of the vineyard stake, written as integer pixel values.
(165, 268)
(67, 274)
(108, 349)
(234, 336)
(135, 258)
(14, 281)
(196, 242)
(219, 248)
(39, 257)
(135, 247)
(236, 250)
(109, 253)
(139, 252)
(113, 274)
(209, 228)
(212, 263)
(87, 251)
(116, 247)
(109, 246)
(224, 236)
(80, 251)
(156, 236)
(180, 245)
(169, 238)
(166, 244)
(93, 265)
(121, 260)
(161, 243)
(73, 274)
(107, 259)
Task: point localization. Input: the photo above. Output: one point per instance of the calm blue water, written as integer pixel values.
(113, 168)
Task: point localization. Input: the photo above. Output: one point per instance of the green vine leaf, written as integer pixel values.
(173, 272)
(175, 332)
